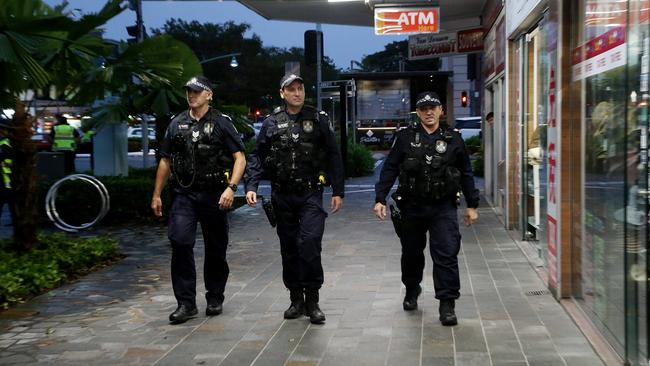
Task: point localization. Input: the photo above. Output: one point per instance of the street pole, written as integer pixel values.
(319, 39)
(145, 126)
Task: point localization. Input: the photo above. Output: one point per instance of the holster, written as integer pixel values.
(268, 210)
(398, 221)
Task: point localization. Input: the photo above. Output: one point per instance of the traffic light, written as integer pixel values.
(463, 99)
(257, 113)
(310, 46)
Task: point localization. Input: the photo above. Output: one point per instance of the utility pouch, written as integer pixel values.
(268, 210)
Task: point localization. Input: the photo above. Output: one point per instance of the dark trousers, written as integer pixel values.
(6, 197)
(187, 209)
(68, 161)
(301, 223)
(441, 222)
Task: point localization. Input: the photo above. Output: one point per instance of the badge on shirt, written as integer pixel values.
(441, 146)
(283, 125)
(195, 136)
(208, 127)
(428, 159)
(183, 126)
(308, 126)
(295, 136)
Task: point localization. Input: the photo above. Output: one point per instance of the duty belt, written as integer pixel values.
(297, 186)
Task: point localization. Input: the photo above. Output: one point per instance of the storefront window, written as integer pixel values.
(598, 80)
(636, 208)
(536, 86)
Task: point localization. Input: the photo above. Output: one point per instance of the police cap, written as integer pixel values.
(427, 98)
(288, 79)
(199, 83)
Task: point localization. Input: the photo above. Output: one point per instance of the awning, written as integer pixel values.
(454, 14)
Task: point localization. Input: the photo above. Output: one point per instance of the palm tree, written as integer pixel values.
(39, 47)
(42, 47)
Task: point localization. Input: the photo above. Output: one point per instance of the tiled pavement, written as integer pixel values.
(118, 316)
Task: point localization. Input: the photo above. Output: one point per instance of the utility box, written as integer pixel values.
(51, 165)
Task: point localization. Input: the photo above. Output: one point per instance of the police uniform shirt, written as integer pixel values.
(223, 131)
(456, 154)
(254, 168)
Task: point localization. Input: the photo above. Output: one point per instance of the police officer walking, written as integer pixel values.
(204, 159)
(297, 150)
(432, 165)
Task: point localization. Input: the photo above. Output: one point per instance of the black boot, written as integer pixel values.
(411, 298)
(312, 310)
(297, 307)
(447, 312)
(182, 314)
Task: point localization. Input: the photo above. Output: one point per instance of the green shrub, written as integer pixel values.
(473, 144)
(478, 164)
(130, 199)
(57, 258)
(360, 161)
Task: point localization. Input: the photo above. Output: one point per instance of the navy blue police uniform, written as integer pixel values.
(201, 159)
(299, 155)
(432, 168)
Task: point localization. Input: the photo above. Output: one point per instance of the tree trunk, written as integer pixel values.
(24, 181)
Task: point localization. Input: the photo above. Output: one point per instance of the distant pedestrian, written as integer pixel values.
(433, 166)
(65, 138)
(204, 156)
(6, 163)
(490, 119)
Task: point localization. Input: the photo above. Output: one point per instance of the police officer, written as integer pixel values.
(432, 165)
(297, 149)
(203, 157)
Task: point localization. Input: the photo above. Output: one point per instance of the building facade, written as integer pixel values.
(567, 155)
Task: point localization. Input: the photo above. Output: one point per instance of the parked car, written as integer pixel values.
(136, 132)
(43, 141)
(468, 126)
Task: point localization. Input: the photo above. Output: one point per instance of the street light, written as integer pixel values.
(233, 60)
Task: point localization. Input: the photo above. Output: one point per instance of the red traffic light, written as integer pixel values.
(463, 99)
(257, 113)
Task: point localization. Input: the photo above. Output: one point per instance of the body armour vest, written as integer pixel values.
(200, 160)
(297, 156)
(426, 174)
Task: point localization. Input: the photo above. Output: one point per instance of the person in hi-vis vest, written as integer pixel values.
(6, 155)
(65, 139)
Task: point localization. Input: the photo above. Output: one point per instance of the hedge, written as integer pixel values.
(58, 258)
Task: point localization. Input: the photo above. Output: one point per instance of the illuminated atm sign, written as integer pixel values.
(390, 21)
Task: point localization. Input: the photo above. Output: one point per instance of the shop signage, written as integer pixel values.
(553, 181)
(495, 53)
(391, 21)
(375, 135)
(600, 54)
(426, 46)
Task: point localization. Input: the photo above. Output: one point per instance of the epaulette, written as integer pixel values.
(227, 116)
(277, 110)
(323, 113)
(308, 109)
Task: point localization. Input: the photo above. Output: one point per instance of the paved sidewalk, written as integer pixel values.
(118, 316)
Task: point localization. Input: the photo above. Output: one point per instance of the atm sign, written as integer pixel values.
(390, 21)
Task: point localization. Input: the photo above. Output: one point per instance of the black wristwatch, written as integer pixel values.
(233, 187)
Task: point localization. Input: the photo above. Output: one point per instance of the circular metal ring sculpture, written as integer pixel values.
(50, 202)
